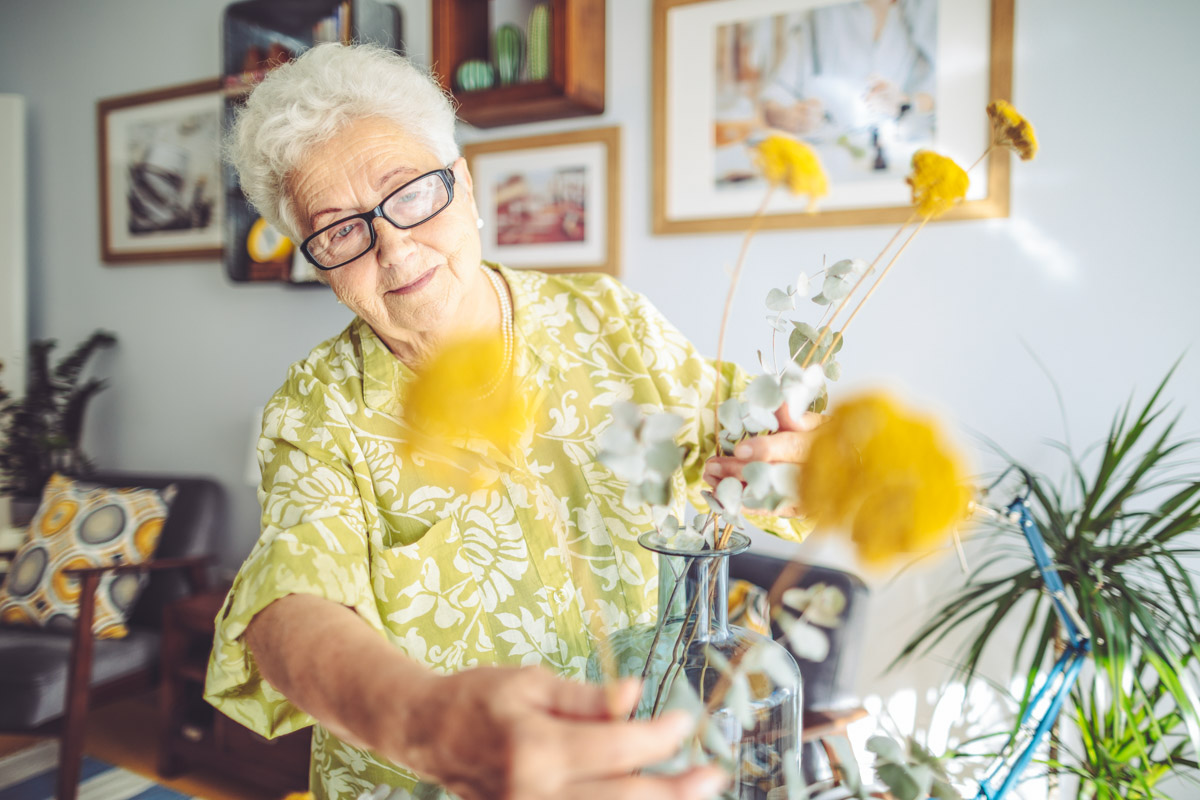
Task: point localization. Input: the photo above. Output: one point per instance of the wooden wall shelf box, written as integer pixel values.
(462, 30)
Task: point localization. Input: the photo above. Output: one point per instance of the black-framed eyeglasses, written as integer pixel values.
(417, 201)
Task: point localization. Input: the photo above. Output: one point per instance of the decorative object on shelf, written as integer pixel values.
(550, 201)
(707, 103)
(160, 174)
(1110, 548)
(79, 526)
(258, 35)
(475, 74)
(510, 54)
(573, 65)
(537, 34)
(42, 433)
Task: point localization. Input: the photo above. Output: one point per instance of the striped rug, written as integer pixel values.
(30, 775)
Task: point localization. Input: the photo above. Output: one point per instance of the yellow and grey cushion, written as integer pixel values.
(76, 526)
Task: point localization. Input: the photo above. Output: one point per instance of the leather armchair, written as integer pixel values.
(48, 680)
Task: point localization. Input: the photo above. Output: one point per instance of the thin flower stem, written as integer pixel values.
(875, 285)
(824, 328)
(755, 222)
(986, 153)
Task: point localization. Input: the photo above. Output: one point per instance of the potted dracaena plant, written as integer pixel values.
(1121, 529)
(41, 433)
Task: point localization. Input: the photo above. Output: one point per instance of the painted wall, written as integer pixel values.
(1095, 272)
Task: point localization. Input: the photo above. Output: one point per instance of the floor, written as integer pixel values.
(125, 733)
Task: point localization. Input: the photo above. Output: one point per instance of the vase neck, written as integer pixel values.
(701, 598)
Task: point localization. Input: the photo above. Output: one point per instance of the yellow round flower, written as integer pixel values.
(1010, 129)
(462, 392)
(783, 159)
(885, 475)
(937, 183)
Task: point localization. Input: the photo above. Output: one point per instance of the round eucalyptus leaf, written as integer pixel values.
(664, 457)
(764, 394)
(729, 494)
(757, 475)
(808, 641)
(617, 440)
(801, 285)
(780, 301)
(661, 427)
(730, 415)
(887, 749)
(899, 780)
(833, 370)
(847, 267)
(626, 414)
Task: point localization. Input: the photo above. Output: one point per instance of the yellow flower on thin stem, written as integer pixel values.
(938, 183)
(782, 160)
(785, 160)
(1011, 130)
(885, 474)
(465, 391)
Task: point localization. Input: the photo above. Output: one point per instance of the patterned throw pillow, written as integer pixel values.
(82, 525)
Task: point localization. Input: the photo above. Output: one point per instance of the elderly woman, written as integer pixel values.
(430, 632)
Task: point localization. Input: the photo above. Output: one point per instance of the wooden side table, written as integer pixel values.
(193, 733)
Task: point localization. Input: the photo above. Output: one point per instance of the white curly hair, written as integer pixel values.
(306, 102)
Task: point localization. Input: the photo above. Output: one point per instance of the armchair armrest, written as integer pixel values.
(196, 567)
(83, 642)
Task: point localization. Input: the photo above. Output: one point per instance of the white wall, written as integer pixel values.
(1096, 271)
(13, 322)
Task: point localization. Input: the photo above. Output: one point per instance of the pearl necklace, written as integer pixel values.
(506, 327)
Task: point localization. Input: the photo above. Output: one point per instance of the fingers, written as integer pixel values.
(600, 750)
(696, 784)
(808, 420)
(587, 701)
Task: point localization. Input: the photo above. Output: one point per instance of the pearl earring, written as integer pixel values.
(479, 222)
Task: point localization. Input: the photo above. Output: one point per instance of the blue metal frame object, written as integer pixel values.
(1046, 704)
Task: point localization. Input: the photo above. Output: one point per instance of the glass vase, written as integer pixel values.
(754, 736)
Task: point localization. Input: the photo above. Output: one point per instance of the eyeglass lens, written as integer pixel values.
(410, 205)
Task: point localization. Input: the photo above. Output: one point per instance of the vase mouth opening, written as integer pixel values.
(655, 542)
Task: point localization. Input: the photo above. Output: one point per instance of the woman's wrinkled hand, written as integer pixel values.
(500, 733)
(788, 445)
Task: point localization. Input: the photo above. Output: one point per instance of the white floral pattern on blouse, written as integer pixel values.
(523, 571)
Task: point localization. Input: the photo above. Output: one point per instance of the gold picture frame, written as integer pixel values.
(701, 185)
(159, 157)
(550, 202)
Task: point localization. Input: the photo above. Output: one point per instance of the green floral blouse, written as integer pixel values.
(522, 571)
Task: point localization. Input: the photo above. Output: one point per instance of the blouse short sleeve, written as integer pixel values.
(314, 541)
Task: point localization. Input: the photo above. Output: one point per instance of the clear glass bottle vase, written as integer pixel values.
(757, 737)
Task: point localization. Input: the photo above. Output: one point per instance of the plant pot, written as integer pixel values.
(695, 636)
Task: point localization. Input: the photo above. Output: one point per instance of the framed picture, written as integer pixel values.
(865, 83)
(160, 174)
(550, 202)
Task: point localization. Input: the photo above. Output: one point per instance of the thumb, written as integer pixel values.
(591, 702)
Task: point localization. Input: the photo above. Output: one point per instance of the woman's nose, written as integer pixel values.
(392, 245)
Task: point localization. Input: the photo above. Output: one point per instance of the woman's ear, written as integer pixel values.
(462, 174)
